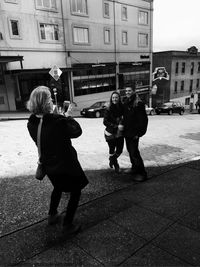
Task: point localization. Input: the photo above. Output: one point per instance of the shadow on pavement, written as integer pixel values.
(132, 219)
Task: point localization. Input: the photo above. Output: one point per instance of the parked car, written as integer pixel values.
(170, 108)
(96, 110)
(149, 111)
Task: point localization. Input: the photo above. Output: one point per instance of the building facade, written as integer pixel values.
(183, 84)
(100, 46)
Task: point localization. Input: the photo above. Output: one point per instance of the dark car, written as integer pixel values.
(170, 108)
(96, 110)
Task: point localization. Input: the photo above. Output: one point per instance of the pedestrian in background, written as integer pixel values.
(135, 125)
(58, 156)
(114, 129)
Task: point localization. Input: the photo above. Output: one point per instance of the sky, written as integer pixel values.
(176, 24)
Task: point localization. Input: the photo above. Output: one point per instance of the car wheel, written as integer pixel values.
(170, 112)
(181, 112)
(152, 112)
(97, 114)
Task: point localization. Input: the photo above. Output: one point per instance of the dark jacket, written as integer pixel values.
(135, 119)
(112, 117)
(58, 156)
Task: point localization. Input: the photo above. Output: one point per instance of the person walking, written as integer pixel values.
(114, 129)
(58, 156)
(135, 122)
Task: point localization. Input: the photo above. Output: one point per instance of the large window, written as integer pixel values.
(197, 83)
(143, 17)
(124, 37)
(191, 85)
(81, 35)
(79, 7)
(124, 13)
(14, 26)
(198, 68)
(192, 68)
(182, 85)
(106, 9)
(49, 32)
(183, 68)
(143, 39)
(107, 36)
(176, 68)
(46, 4)
(175, 87)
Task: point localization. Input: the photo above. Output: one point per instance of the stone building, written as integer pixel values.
(99, 45)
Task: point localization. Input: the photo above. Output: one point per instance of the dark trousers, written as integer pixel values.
(134, 154)
(71, 207)
(116, 146)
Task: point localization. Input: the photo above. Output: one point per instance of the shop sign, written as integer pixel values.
(55, 72)
(160, 73)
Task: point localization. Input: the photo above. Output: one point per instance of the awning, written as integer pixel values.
(6, 59)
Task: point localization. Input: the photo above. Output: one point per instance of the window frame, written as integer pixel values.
(48, 40)
(143, 23)
(46, 8)
(76, 13)
(147, 35)
(126, 32)
(105, 2)
(191, 86)
(175, 87)
(192, 68)
(104, 31)
(80, 27)
(12, 36)
(122, 18)
(182, 86)
(183, 68)
(11, 1)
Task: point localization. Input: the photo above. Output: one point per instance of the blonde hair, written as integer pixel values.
(40, 100)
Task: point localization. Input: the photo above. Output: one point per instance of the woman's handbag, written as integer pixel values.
(40, 171)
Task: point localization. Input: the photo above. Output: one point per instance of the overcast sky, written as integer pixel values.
(176, 24)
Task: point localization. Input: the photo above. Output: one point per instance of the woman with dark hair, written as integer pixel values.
(58, 156)
(114, 129)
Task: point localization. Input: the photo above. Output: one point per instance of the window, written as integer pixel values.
(176, 68)
(191, 85)
(175, 87)
(79, 7)
(106, 9)
(107, 36)
(182, 85)
(124, 13)
(143, 39)
(192, 68)
(187, 101)
(81, 35)
(143, 17)
(183, 68)
(11, 1)
(124, 38)
(14, 26)
(198, 67)
(46, 4)
(49, 32)
(197, 83)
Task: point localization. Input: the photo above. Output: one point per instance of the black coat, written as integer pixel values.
(135, 119)
(112, 117)
(58, 156)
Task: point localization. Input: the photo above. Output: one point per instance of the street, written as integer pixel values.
(169, 139)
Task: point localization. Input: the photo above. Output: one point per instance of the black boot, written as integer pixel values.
(111, 161)
(116, 164)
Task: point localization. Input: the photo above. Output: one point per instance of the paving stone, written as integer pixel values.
(153, 256)
(141, 222)
(181, 242)
(109, 243)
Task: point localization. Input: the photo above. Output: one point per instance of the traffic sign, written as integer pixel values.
(55, 72)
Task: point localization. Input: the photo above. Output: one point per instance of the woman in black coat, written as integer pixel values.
(58, 156)
(114, 129)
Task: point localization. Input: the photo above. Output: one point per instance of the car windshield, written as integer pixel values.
(97, 105)
(167, 105)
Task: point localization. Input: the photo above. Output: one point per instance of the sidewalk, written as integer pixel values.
(155, 223)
